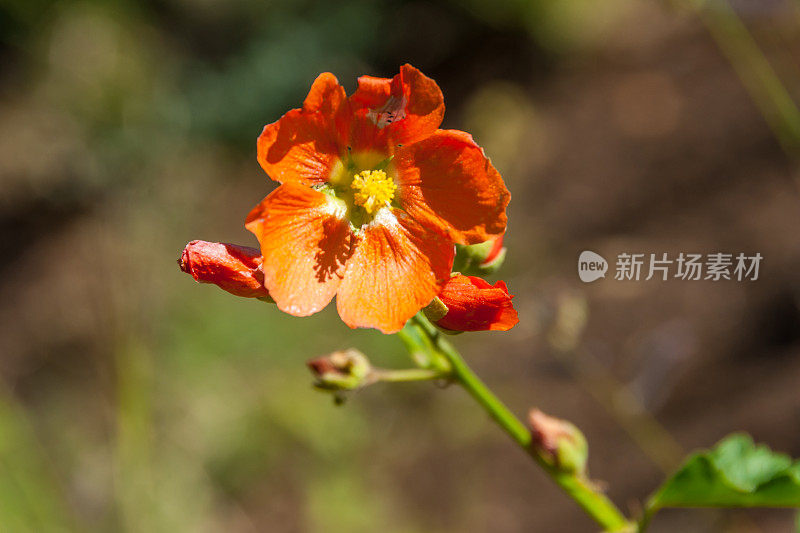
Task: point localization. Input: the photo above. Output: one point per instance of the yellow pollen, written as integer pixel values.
(373, 189)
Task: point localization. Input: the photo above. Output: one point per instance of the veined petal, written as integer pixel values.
(396, 269)
(446, 180)
(475, 305)
(365, 136)
(303, 146)
(406, 108)
(305, 242)
(297, 149)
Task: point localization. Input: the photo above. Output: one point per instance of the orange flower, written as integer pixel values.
(236, 269)
(372, 198)
(474, 305)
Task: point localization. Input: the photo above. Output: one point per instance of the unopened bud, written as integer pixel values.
(480, 259)
(342, 370)
(561, 442)
(472, 304)
(235, 269)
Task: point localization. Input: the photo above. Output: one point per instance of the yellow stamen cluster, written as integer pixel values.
(374, 189)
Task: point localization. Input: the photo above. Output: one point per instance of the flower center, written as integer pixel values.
(374, 189)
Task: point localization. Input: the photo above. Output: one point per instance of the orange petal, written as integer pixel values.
(372, 92)
(409, 107)
(365, 136)
(303, 145)
(474, 305)
(236, 269)
(325, 96)
(446, 180)
(305, 242)
(397, 268)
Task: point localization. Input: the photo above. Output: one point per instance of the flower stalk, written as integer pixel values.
(407, 375)
(349, 370)
(596, 504)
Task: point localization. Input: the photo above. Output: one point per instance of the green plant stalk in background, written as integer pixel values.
(754, 70)
(596, 504)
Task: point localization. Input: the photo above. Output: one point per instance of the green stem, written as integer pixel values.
(644, 522)
(755, 71)
(408, 375)
(596, 504)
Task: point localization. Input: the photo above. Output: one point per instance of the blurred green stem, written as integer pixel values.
(407, 375)
(596, 504)
(626, 408)
(755, 71)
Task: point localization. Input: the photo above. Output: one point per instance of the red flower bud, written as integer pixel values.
(236, 269)
(474, 305)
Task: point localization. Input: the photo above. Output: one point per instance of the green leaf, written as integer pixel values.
(736, 473)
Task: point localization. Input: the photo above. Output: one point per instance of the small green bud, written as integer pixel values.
(342, 370)
(480, 259)
(561, 442)
(491, 266)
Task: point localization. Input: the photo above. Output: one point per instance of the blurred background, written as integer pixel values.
(133, 399)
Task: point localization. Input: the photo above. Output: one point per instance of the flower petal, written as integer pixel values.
(236, 269)
(397, 268)
(303, 146)
(305, 242)
(446, 180)
(325, 96)
(409, 107)
(474, 305)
